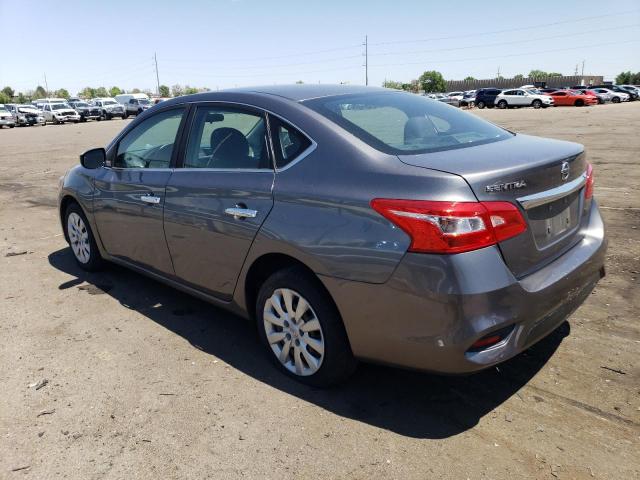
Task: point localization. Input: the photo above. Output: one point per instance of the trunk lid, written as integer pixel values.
(543, 177)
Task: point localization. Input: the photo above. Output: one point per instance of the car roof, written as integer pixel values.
(299, 93)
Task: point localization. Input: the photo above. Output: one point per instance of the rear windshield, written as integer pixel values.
(404, 123)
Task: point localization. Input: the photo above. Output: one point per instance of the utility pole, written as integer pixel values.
(498, 74)
(366, 60)
(155, 59)
(583, 68)
(46, 85)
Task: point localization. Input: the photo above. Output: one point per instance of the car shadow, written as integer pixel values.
(408, 403)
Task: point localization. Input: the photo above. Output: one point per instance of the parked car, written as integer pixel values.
(618, 89)
(485, 97)
(26, 115)
(468, 99)
(445, 243)
(86, 111)
(444, 98)
(571, 98)
(59, 113)
(632, 89)
(43, 101)
(615, 97)
(6, 118)
(600, 97)
(519, 97)
(134, 103)
(109, 108)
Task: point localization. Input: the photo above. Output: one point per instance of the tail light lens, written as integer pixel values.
(452, 227)
(588, 188)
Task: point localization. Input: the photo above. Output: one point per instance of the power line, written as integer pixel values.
(497, 44)
(507, 30)
(581, 47)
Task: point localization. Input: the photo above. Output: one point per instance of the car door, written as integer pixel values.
(560, 98)
(219, 198)
(130, 193)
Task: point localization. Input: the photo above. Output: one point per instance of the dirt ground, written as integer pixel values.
(145, 382)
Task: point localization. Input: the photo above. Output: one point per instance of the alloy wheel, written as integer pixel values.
(293, 332)
(78, 237)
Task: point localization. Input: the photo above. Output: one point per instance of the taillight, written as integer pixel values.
(588, 188)
(452, 227)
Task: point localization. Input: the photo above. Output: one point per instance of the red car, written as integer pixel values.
(570, 98)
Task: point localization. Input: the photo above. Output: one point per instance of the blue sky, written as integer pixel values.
(226, 43)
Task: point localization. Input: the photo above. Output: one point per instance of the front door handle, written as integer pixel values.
(152, 199)
(238, 213)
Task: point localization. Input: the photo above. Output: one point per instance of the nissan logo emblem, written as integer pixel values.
(564, 170)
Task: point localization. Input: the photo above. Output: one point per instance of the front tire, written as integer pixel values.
(536, 104)
(579, 103)
(615, 100)
(301, 329)
(502, 104)
(81, 239)
(481, 105)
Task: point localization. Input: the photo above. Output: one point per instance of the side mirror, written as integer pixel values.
(94, 158)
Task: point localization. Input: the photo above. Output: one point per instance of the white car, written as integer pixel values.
(455, 95)
(6, 118)
(519, 97)
(59, 113)
(614, 97)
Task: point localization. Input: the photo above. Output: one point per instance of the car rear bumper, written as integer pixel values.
(9, 122)
(435, 307)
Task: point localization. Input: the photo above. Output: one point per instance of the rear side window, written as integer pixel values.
(289, 143)
(403, 123)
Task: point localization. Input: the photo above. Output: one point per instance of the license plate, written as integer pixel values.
(560, 223)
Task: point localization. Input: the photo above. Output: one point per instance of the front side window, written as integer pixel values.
(403, 123)
(150, 144)
(289, 143)
(227, 138)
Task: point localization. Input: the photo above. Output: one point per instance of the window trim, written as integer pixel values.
(113, 148)
(301, 156)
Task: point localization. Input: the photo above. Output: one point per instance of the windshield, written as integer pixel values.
(109, 102)
(81, 104)
(3, 109)
(403, 123)
(59, 106)
(143, 101)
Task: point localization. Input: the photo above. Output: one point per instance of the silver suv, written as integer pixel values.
(109, 108)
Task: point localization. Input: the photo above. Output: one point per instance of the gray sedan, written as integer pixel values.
(347, 222)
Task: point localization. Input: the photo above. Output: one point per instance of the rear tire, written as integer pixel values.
(307, 343)
(502, 104)
(81, 239)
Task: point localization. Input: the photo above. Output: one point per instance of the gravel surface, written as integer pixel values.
(113, 375)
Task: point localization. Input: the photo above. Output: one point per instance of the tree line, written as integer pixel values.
(9, 95)
(432, 81)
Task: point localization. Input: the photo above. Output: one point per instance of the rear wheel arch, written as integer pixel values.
(265, 266)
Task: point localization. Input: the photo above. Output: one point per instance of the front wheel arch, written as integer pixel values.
(64, 204)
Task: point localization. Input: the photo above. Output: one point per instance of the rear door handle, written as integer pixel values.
(152, 199)
(239, 213)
